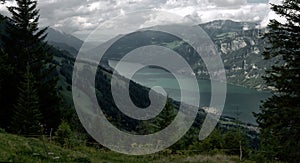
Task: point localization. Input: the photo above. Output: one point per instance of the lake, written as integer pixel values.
(239, 100)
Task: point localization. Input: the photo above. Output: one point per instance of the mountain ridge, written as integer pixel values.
(240, 45)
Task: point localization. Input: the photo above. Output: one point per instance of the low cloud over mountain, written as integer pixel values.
(80, 17)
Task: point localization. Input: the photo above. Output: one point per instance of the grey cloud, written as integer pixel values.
(228, 3)
(82, 16)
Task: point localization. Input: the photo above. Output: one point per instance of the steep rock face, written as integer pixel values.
(234, 45)
(240, 46)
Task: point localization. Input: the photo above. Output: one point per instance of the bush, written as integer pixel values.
(2, 130)
(64, 134)
(78, 140)
(82, 159)
(258, 157)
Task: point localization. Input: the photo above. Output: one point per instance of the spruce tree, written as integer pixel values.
(279, 119)
(25, 43)
(167, 115)
(160, 122)
(2, 61)
(26, 114)
(6, 70)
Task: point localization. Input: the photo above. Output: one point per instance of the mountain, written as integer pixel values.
(64, 41)
(58, 39)
(239, 44)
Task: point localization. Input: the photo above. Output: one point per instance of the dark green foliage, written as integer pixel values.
(63, 134)
(212, 143)
(26, 118)
(24, 44)
(5, 70)
(279, 118)
(82, 159)
(232, 142)
(66, 70)
(167, 115)
(160, 122)
(2, 130)
(227, 142)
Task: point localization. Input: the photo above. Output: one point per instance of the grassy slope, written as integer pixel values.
(19, 149)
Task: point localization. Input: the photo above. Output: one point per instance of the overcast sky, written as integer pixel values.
(80, 17)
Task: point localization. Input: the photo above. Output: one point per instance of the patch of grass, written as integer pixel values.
(19, 149)
(15, 148)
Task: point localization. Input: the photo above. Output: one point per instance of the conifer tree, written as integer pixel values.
(25, 43)
(6, 70)
(2, 70)
(26, 114)
(161, 121)
(2, 61)
(167, 115)
(279, 119)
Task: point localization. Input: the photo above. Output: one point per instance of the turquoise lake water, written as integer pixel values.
(239, 100)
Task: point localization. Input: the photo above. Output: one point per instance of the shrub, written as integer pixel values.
(63, 134)
(82, 159)
(2, 130)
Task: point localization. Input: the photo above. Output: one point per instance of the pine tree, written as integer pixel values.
(6, 70)
(160, 122)
(3, 57)
(25, 43)
(167, 115)
(26, 114)
(279, 119)
(64, 134)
